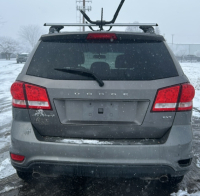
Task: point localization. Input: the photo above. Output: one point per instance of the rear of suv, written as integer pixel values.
(102, 105)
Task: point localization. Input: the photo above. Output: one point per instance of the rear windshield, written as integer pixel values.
(108, 60)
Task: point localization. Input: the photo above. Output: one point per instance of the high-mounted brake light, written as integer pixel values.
(175, 98)
(105, 36)
(29, 96)
(18, 158)
(17, 92)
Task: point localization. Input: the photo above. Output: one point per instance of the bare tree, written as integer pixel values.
(30, 34)
(8, 46)
(133, 28)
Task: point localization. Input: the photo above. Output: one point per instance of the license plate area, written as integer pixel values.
(101, 112)
(94, 111)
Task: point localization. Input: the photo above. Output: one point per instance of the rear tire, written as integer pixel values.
(26, 176)
(173, 181)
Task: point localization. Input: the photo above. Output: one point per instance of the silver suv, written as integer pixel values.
(102, 104)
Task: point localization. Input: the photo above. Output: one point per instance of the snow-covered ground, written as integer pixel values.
(185, 193)
(192, 70)
(8, 73)
(6, 168)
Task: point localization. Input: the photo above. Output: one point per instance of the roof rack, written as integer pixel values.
(56, 27)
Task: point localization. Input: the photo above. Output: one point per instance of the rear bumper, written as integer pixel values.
(100, 171)
(136, 160)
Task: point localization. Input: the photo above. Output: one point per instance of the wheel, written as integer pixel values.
(26, 176)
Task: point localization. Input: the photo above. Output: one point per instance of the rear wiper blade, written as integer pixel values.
(82, 72)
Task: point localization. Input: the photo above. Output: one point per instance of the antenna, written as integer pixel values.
(101, 27)
(82, 5)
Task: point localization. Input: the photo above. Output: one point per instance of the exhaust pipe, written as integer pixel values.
(164, 179)
(36, 175)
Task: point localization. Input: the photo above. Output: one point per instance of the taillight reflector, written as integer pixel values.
(18, 158)
(17, 92)
(29, 96)
(187, 95)
(175, 98)
(96, 36)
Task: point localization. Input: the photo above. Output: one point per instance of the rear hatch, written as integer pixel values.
(132, 68)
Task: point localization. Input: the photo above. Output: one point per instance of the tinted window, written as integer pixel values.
(110, 61)
(22, 55)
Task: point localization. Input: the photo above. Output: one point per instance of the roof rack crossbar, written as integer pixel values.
(90, 27)
(93, 25)
(56, 27)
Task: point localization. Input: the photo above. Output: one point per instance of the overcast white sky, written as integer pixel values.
(178, 17)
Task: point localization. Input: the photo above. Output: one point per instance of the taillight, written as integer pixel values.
(18, 158)
(29, 96)
(175, 98)
(166, 99)
(37, 97)
(17, 92)
(186, 97)
(105, 36)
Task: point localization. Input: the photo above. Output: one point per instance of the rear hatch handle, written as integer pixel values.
(82, 72)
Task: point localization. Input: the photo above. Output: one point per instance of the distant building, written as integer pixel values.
(185, 49)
